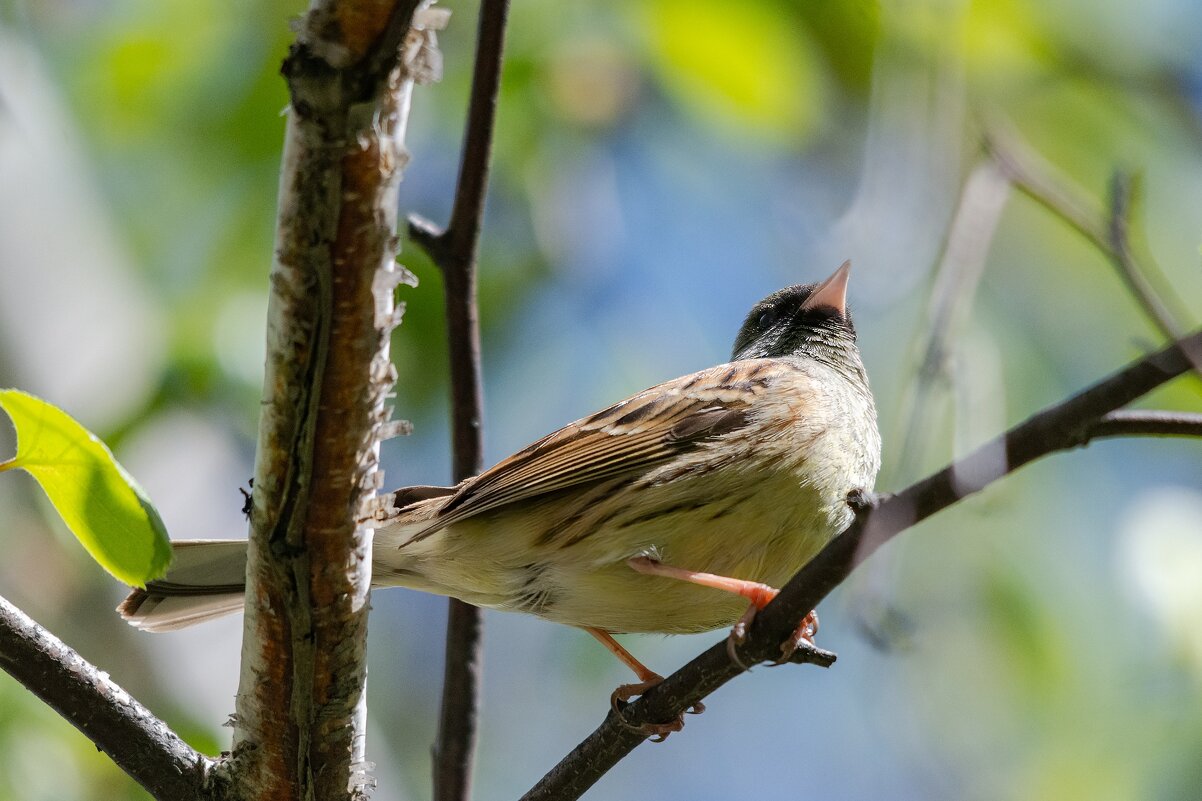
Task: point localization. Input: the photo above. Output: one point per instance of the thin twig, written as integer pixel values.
(454, 251)
(961, 267)
(1122, 255)
(921, 407)
(141, 744)
(1065, 425)
(1106, 230)
(1140, 423)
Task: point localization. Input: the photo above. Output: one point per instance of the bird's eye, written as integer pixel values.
(766, 319)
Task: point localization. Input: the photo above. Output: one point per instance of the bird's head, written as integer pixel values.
(803, 320)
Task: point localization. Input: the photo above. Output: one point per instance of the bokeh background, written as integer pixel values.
(660, 166)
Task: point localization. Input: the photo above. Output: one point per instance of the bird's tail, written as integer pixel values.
(207, 578)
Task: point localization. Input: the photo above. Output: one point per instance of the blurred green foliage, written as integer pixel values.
(750, 70)
(660, 165)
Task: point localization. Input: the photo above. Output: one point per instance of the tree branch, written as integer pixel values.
(982, 200)
(141, 744)
(1139, 423)
(301, 708)
(1122, 255)
(1065, 425)
(1108, 232)
(454, 251)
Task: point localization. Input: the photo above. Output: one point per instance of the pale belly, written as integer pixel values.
(755, 541)
(570, 565)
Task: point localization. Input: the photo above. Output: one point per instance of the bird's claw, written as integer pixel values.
(622, 695)
(804, 633)
(658, 732)
(738, 636)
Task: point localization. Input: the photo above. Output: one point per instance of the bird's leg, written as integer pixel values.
(647, 679)
(760, 595)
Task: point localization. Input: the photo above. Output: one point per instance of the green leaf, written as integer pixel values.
(748, 65)
(101, 504)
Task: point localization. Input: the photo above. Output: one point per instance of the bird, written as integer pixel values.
(677, 510)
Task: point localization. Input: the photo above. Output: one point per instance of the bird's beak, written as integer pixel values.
(832, 292)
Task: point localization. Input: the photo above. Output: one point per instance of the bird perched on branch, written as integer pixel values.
(679, 509)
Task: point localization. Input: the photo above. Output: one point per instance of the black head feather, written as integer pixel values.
(781, 325)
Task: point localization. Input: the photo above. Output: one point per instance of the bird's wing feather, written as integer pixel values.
(628, 438)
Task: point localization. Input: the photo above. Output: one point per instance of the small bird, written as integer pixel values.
(677, 510)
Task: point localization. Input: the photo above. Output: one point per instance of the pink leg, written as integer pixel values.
(758, 594)
(645, 674)
(647, 679)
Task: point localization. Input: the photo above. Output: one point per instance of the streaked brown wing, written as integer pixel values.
(630, 437)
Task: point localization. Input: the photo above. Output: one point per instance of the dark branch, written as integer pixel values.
(455, 748)
(456, 247)
(1065, 425)
(141, 744)
(1146, 424)
(454, 252)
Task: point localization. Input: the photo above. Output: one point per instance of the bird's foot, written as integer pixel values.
(804, 633)
(622, 695)
(658, 732)
(738, 636)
